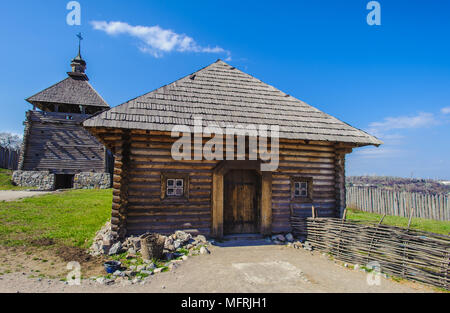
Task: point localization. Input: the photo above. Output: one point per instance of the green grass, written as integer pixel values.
(69, 218)
(438, 227)
(5, 181)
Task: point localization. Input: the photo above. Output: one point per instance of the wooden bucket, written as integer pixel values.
(152, 246)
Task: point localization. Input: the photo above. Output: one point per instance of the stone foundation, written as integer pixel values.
(44, 180)
(38, 180)
(89, 180)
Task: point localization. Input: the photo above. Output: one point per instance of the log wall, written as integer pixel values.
(55, 143)
(150, 156)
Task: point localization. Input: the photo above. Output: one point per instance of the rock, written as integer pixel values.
(170, 248)
(146, 272)
(182, 236)
(139, 268)
(204, 250)
(297, 245)
(184, 257)
(189, 246)
(100, 280)
(176, 244)
(150, 267)
(133, 267)
(289, 237)
(168, 243)
(280, 237)
(115, 248)
(277, 242)
(119, 273)
(129, 273)
(157, 270)
(200, 238)
(307, 246)
(356, 267)
(172, 266)
(132, 251)
(131, 256)
(133, 261)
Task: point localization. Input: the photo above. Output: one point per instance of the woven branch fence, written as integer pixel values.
(9, 159)
(409, 254)
(398, 203)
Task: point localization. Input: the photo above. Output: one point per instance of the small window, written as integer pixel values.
(174, 186)
(301, 189)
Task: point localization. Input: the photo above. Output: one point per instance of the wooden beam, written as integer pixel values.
(266, 203)
(217, 205)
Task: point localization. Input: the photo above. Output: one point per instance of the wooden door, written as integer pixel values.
(241, 202)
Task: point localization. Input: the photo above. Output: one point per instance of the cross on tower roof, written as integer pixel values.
(79, 44)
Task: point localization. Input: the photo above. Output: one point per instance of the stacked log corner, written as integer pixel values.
(120, 187)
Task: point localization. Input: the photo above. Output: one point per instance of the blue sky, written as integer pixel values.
(392, 80)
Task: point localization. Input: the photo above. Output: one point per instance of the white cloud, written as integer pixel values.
(420, 120)
(373, 152)
(445, 110)
(156, 40)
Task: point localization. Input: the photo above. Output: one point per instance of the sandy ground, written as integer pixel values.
(11, 195)
(232, 267)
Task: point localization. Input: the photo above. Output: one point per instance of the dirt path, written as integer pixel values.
(234, 268)
(11, 195)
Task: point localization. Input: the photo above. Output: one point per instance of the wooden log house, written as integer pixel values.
(153, 191)
(55, 141)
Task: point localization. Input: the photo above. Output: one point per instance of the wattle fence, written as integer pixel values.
(400, 252)
(9, 159)
(399, 203)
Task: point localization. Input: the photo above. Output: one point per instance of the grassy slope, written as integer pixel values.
(5, 181)
(70, 218)
(438, 227)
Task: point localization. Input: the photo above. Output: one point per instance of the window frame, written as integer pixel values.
(165, 177)
(309, 189)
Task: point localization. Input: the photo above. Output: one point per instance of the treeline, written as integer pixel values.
(427, 186)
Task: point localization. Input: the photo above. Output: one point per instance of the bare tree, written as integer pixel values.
(10, 141)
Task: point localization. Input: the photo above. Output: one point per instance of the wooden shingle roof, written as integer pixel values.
(222, 95)
(75, 89)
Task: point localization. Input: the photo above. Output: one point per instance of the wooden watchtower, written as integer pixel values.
(54, 140)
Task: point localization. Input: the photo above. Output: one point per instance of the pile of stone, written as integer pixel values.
(290, 241)
(104, 243)
(177, 248)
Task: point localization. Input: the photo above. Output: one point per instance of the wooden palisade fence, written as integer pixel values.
(9, 158)
(398, 203)
(409, 254)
